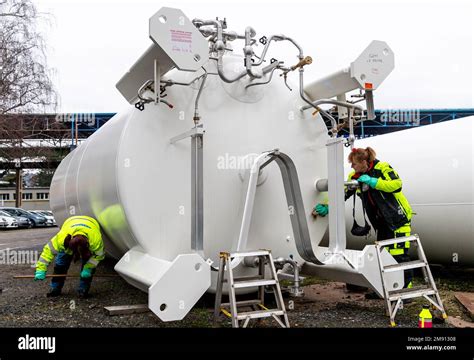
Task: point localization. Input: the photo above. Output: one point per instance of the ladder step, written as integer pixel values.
(410, 293)
(254, 283)
(405, 266)
(248, 278)
(260, 314)
(250, 253)
(243, 303)
(245, 278)
(396, 240)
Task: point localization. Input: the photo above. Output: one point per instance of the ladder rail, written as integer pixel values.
(232, 300)
(278, 295)
(220, 284)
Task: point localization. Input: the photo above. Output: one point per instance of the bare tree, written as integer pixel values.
(25, 79)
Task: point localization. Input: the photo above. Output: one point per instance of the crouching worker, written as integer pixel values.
(79, 237)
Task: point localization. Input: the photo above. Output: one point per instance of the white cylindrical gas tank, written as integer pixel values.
(435, 163)
(138, 185)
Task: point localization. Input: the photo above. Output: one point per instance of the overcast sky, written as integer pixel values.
(92, 43)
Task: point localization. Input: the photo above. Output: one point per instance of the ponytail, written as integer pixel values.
(358, 155)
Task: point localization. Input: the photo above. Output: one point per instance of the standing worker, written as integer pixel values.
(387, 208)
(79, 237)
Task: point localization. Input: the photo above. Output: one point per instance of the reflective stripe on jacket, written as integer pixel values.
(75, 225)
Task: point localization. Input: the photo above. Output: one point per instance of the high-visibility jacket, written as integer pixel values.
(385, 204)
(75, 225)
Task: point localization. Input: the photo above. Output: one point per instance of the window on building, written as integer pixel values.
(27, 196)
(5, 196)
(42, 196)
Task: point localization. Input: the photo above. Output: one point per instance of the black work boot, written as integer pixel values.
(54, 292)
(83, 294)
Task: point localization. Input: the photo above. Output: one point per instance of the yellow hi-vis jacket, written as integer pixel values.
(75, 225)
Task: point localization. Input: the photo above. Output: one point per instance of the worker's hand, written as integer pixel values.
(86, 273)
(321, 210)
(371, 181)
(40, 275)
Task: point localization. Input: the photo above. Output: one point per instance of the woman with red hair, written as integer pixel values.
(387, 208)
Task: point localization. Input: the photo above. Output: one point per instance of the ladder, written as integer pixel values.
(259, 281)
(394, 299)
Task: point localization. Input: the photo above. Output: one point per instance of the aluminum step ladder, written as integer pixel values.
(258, 308)
(394, 299)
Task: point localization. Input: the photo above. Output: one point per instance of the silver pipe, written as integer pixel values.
(264, 51)
(229, 35)
(322, 184)
(248, 52)
(302, 95)
(262, 83)
(295, 290)
(143, 88)
(278, 38)
(369, 98)
(196, 117)
(172, 82)
(267, 69)
(219, 45)
(351, 139)
(220, 71)
(332, 102)
(300, 49)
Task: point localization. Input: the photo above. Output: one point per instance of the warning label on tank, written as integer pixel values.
(181, 41)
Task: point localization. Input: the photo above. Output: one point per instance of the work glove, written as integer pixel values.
(366, 179)
(86, 273)
(40, 275)
(321, 210)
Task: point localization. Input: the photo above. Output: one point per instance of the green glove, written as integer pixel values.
(366, 179)
(86, 273)
(40, 275)
(322, 209)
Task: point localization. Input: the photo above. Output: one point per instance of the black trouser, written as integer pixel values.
(384, 233)
(61, 266)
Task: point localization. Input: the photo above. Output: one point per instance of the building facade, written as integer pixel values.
(35, 198)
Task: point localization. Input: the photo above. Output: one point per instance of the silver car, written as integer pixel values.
(9, 221)
(50, 221)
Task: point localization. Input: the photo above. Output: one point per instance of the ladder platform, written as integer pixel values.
(254, 283)
(404, 266)
(398, 240)
(260, 314)
(410, 293)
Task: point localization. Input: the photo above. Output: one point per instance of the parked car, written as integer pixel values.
(50, 221)
(9, 221)
(35, 219)
(22, 222)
